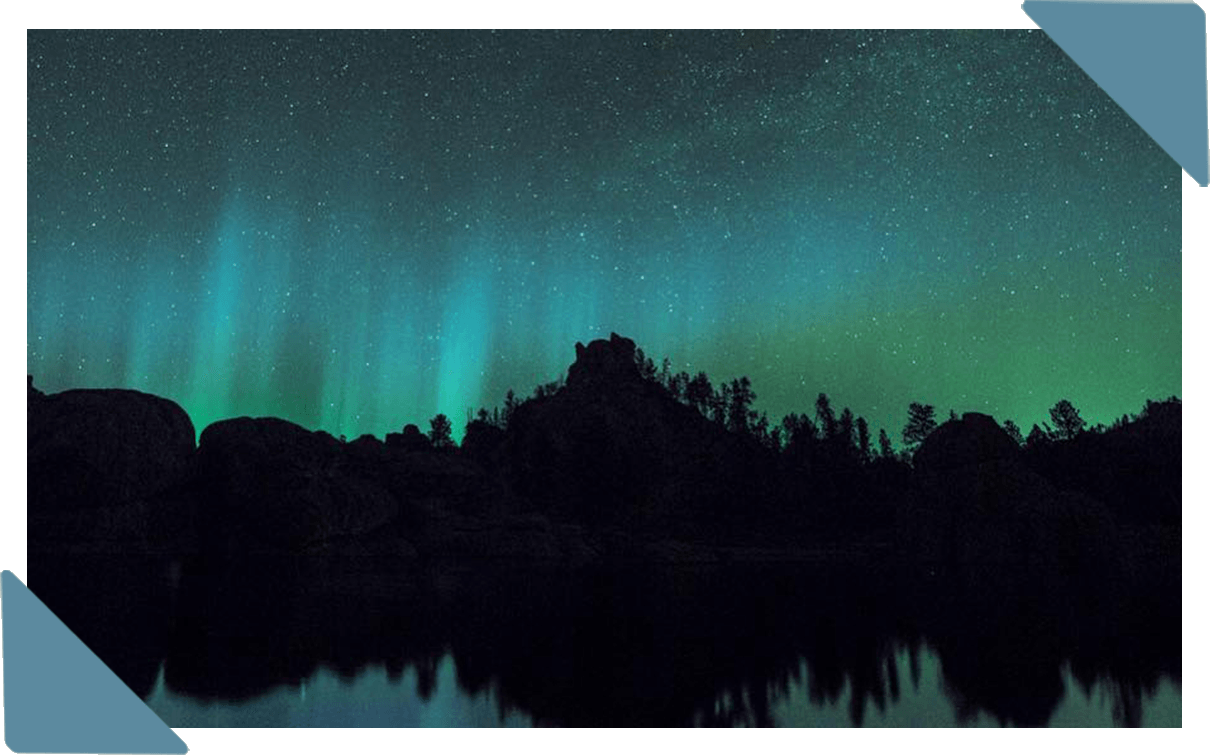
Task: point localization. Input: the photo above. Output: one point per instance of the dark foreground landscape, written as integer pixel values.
(626, 547)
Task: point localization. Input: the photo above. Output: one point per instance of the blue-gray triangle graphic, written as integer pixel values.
(1150, 58)
(58, 696)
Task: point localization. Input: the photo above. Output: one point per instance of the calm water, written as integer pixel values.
(375, 698)
(343, 644)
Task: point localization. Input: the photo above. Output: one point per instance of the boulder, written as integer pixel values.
(604, 362)
(984, 505)
(411, 439)
(32, 393)
(481, 441)
(97, 459)
(275, 486)
(90, 449)
(974, 439)
(420, 478)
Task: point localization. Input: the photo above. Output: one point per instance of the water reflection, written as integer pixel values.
(380, 698)
(314, 642)
(376, 697)
(924, 703)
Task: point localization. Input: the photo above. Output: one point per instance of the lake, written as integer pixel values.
(350, 643)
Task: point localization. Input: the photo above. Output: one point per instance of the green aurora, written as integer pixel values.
(358, 230)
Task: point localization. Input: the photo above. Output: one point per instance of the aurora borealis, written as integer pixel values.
(358, 230)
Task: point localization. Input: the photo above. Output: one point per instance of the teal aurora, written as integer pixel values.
(358, 230)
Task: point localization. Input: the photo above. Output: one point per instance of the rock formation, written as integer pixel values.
(612, 448)
(98, 458)
(275, 485)
(411, 439)
(604, 363)
(983, 504)
(972, 440)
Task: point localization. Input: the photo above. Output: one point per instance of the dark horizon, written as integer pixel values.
(618, 443)
(458, 423)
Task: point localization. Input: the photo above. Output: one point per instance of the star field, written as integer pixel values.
(358, 230)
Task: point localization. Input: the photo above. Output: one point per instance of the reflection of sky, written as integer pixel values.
(927, 705)
(325, 700)
(373, 700)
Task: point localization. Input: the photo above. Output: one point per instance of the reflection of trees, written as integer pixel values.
(746, 706)
(1127, 694)
(669, 646)
(426, 676)
(1128, 704)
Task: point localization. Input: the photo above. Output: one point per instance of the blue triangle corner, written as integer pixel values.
(59, 697)
(1150, 58)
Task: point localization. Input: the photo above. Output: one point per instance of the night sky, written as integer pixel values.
(358, 230)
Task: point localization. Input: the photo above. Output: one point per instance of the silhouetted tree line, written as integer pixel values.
(730, 406)
(839, 473)
(820, 439)
(1133, 465)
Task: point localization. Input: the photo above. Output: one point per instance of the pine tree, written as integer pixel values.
(921, 421)
(739, 400)
(645, 364)
(719, 403)
(1037, 437)
(699, 393)
(441, 432)
(863, 439)
(510, 406)
(846, 430)
(1014, 432)
(825, 416)
(885, 449)
(677, 385)
(1067, 419)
